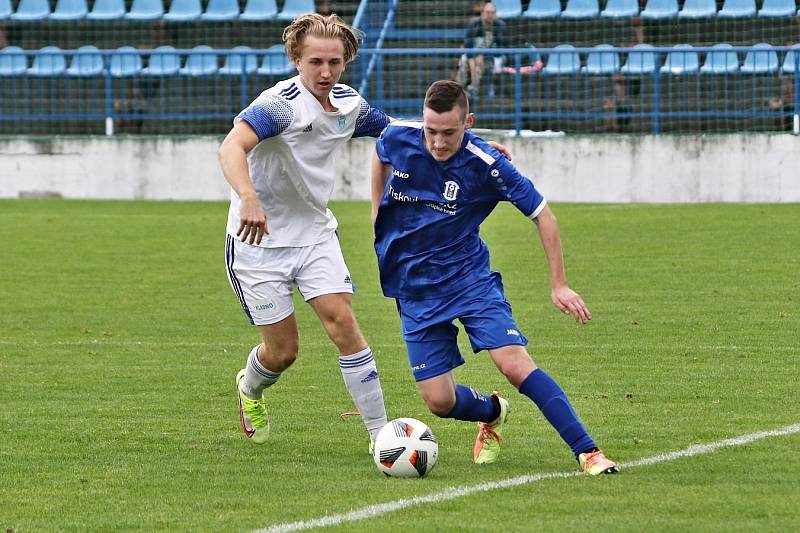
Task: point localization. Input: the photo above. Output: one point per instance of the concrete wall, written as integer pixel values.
(734, 168)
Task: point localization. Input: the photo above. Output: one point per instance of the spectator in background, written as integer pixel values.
(485, 32)
(783, 104)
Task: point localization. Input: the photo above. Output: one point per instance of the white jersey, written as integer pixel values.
(292, 165)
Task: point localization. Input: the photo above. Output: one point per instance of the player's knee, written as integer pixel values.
(516, 370)
(440, 407)
(280, 356)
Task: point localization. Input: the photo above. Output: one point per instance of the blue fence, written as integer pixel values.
(601, 89)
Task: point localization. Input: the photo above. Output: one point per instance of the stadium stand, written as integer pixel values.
(12, 61)
(259, 10)
(125, 62)
(221, 10)
(183, 11)
(107, 10)
(86, 62)
(166, 62)
(31, 10)
(241, 60)
(721, 62)
(685, 52)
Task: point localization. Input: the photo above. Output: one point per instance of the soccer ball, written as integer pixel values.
(405, 447)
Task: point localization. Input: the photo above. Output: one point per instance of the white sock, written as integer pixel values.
(361, 377)
(256, 377)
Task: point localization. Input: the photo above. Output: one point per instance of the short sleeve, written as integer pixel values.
(513, 187)
(380, 148)
(268, 115)
(370, 121)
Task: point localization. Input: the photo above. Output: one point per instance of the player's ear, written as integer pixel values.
(470, 120)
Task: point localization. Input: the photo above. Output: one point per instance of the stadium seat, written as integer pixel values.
(70, 10)
(507, 9)
(125, 61)
(293, 8)
(5, 9)
(682, 60)
(562, 63)
(641, 60)
(107, 10)
(221, 10)
(258, 10)
(29, 10)
(620, 9)
(86, 62)
(145, 10)
(698, 9)
(777, 9)
(723, 61)
(237, 63)
(604, 61)
(761, 59)
(183, 11)
(275, 62)
(202, 61)
(166, 62)
(581, 9)
(543, 9)
(49, 61)
(660, 9)
(738, 9)
(12, 61)
(789, 61)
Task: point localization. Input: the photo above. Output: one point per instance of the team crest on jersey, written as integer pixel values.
(450, 190)
(342, 122)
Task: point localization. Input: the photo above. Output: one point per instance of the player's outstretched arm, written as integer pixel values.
(380, 173)
(233, 160)
(565, 299)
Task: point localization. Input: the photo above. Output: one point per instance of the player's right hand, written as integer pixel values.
(252, 221)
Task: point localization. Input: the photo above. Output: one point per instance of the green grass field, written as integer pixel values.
(120, 340)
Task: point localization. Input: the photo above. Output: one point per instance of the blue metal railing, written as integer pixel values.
(517, 95)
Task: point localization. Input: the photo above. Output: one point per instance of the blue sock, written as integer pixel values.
(554, 405)
(472, 406)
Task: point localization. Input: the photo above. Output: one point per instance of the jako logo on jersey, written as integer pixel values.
(342, 122)
(372, 375)
(512, 332)
(400, 174)
(450, 190)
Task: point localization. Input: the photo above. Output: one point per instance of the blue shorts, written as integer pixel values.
(430, 333)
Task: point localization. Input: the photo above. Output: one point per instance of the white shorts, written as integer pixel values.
(264, 278)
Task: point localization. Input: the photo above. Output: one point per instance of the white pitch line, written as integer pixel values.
(457, 492)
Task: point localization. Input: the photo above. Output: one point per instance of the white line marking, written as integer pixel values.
(457, 492)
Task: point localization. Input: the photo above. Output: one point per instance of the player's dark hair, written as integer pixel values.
(443, 95)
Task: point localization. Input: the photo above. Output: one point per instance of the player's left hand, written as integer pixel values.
(570, 302)
(500, 148)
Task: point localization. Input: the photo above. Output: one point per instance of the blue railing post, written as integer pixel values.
(517, 94)
(657, 97)
(109, 102)
(796, 94)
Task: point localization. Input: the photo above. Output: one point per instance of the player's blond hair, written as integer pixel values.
(326, 27)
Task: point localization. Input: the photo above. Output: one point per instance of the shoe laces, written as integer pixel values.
(256, 411)
(488, 433)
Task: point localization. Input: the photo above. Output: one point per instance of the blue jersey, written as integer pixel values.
(427, 229)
